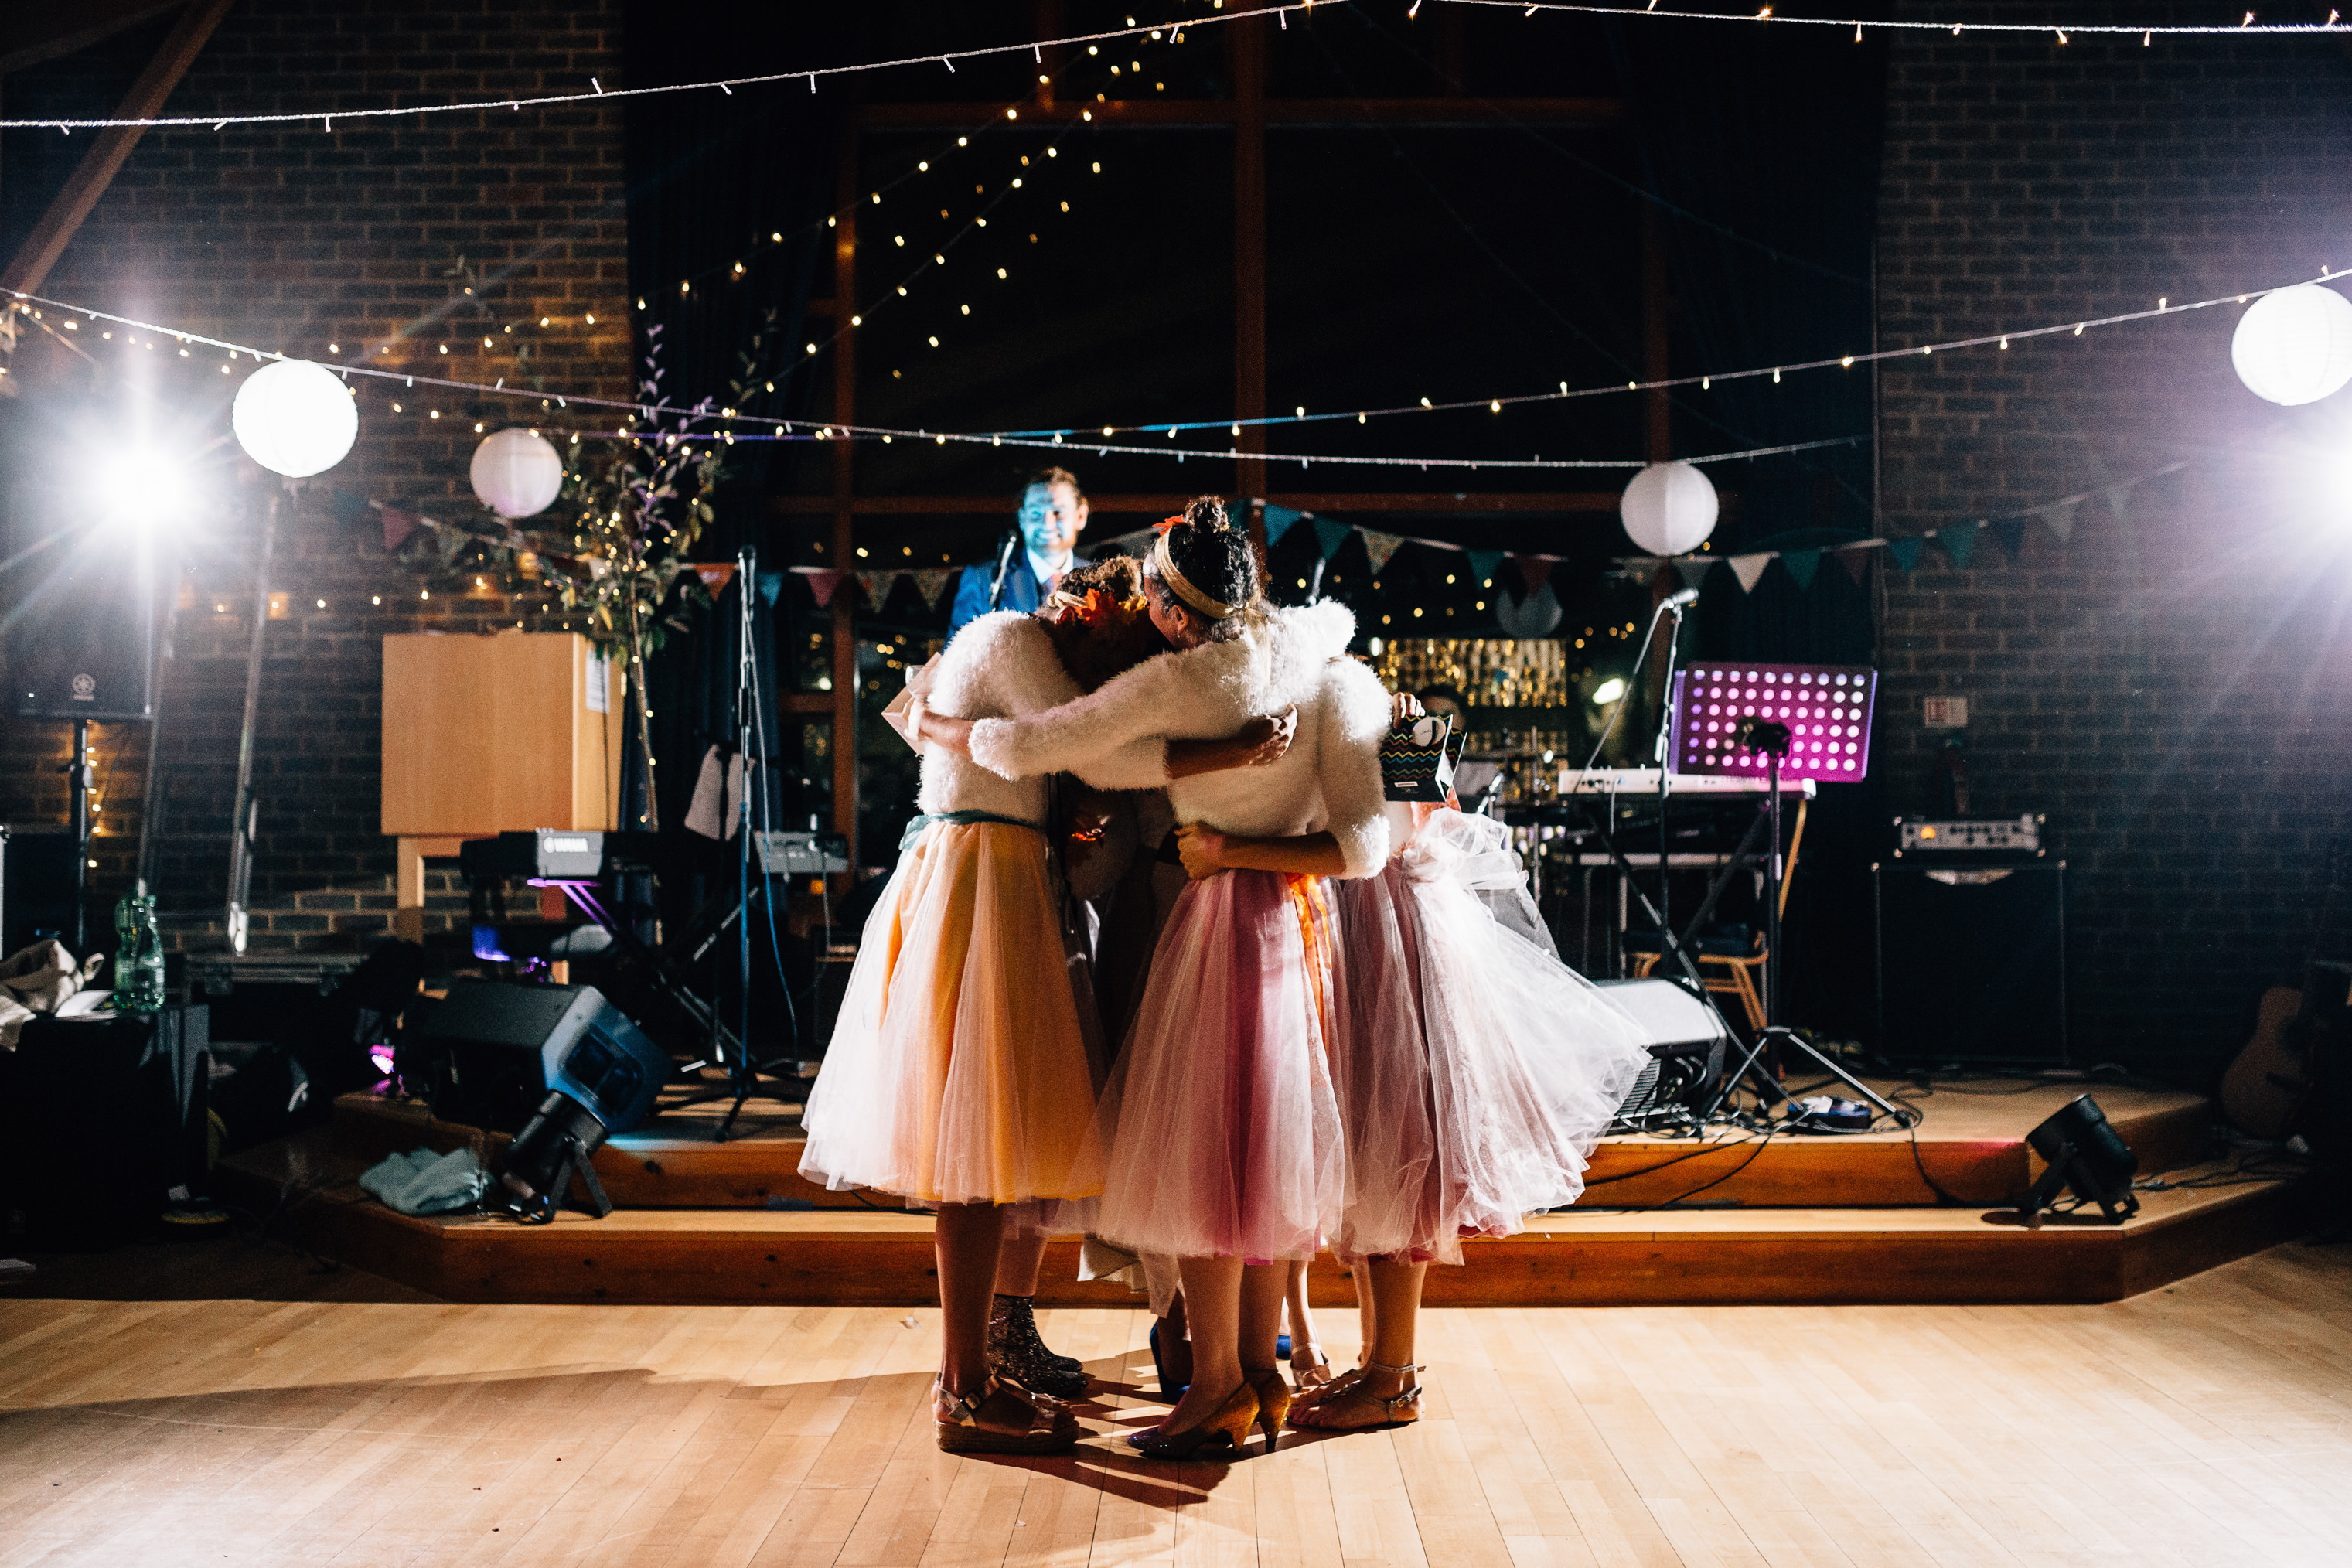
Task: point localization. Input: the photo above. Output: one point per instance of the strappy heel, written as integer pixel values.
(983, 1426)
(1227, 1427)
(1316, 1372)
(1400, 1409)
(1273, 1402)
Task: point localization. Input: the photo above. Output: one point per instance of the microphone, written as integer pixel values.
(1678, 600)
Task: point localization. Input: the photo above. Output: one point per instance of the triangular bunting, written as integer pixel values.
(1801, 565)
(715, 575)
(771, 584)
(397, 526)
(1856, 564)
(1694, 569)
(877, 586)
(1278, 520)
(1380, 546)
(2010, 531)
(1905, 553)
(1533, 571)
(1484, 564)
(931, 581)
(1750, 570)
(823, 585)
(2118, 499)
(1959, 542)
(1329, 536)
(349, 507)
(2059, 516)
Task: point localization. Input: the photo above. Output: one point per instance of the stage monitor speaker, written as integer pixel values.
(1686, 1041)
(489, 1052)
(81, 643)
(1972, 963)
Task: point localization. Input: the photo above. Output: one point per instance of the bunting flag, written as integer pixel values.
(771, 584)
(1278, 521)
(877, 586)
(2010, 532)
(823, 583)
(1379, 547)
(1801, 565)
(1750, 570)
(1533, 571)
(397, 526)
(1485, 563)
(1905, 552)
(349, 507)
(1856, 564)
(1329, 536)
(932, 580)
(1694, 569)
(715, 575)
(1960, 542)
(2059, 516)
(2118, 498)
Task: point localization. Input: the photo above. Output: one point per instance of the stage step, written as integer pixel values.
(1972, 1144)
(1583, 1257)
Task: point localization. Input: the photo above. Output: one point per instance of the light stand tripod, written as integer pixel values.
(1772, 738)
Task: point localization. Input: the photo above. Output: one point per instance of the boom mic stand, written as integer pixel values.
(1003, 565)
(1772, 738)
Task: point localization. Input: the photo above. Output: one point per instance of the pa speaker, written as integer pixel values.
(1685, 1038)
(489, 1054)
(1972, 963)
(81, 644)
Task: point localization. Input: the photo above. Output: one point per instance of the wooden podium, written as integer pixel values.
(485, 735)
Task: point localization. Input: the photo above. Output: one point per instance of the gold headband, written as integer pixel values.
(1215, 609)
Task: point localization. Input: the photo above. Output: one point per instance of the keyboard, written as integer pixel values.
(1644, 781)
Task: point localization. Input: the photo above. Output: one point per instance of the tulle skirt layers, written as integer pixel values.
(1222, 1126)
(958, 1071)
(1475, 1072)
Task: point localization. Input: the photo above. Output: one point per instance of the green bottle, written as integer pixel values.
(138, 957)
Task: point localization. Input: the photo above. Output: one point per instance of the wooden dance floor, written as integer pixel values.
(239, 1404)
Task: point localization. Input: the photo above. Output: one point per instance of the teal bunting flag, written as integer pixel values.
(1330, 535)
(771, 584)
(1484, 564)
(1959, 542)
(1801, 565)
(1905, 552)
(2010, 531)
(1278, 520)
(349, 507)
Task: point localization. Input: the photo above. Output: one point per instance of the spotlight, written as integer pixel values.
(1607, 691)
(2084, 1153)
(139, 489)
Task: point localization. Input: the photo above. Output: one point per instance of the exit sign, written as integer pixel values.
(1946, 713)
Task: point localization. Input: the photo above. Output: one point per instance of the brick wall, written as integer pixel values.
(2169, 686)
(387, 240)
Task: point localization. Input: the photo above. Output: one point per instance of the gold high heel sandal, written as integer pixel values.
(1001, 1421)
(1398, 1409)
(1227, 1427)
(1273, 1402)
(1316, 1372)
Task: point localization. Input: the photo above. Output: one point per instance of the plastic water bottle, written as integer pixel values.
(139, 955)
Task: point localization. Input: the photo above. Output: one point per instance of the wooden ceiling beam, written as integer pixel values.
(36, 33)
(30, 266)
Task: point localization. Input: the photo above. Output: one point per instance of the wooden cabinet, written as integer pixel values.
(493, 734)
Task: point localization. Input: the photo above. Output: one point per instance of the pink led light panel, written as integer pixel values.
(1826, 707)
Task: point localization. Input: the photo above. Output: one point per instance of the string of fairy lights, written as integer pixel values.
(2249, 26)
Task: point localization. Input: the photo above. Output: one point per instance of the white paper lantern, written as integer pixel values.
(2296, 345)
(518, 473)
(1669, 509)
(295, 418)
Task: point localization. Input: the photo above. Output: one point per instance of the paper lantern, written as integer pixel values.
(2294, 345)
(295, 418)
(1669, 509)
(517, 473)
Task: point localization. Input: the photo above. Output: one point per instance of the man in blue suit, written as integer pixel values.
(1053, 514)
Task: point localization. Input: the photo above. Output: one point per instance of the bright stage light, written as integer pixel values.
(295, 418)
(141, 489)
(1669, 509)
(2296, 345)
(1607, 691)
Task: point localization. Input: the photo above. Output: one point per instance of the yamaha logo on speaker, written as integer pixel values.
(84, 689)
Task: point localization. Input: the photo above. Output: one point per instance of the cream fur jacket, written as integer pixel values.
(1114, 737)
(1002, 664)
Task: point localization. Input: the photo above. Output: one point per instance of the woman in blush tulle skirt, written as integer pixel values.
(1475, 1072)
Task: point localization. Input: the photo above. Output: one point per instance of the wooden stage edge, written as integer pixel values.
(1830, 1256)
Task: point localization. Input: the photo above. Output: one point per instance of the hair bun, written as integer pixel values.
(1206, 511)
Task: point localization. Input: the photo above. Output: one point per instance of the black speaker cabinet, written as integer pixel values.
(488, 1054)
(102, 1120)
(81, 644)
(1972, 963)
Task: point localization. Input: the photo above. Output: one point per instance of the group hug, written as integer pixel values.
(1160, 965)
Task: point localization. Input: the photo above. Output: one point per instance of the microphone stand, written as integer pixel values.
(1003, 565)
(1663, 754)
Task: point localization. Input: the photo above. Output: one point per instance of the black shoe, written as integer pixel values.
(1015, 1351)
